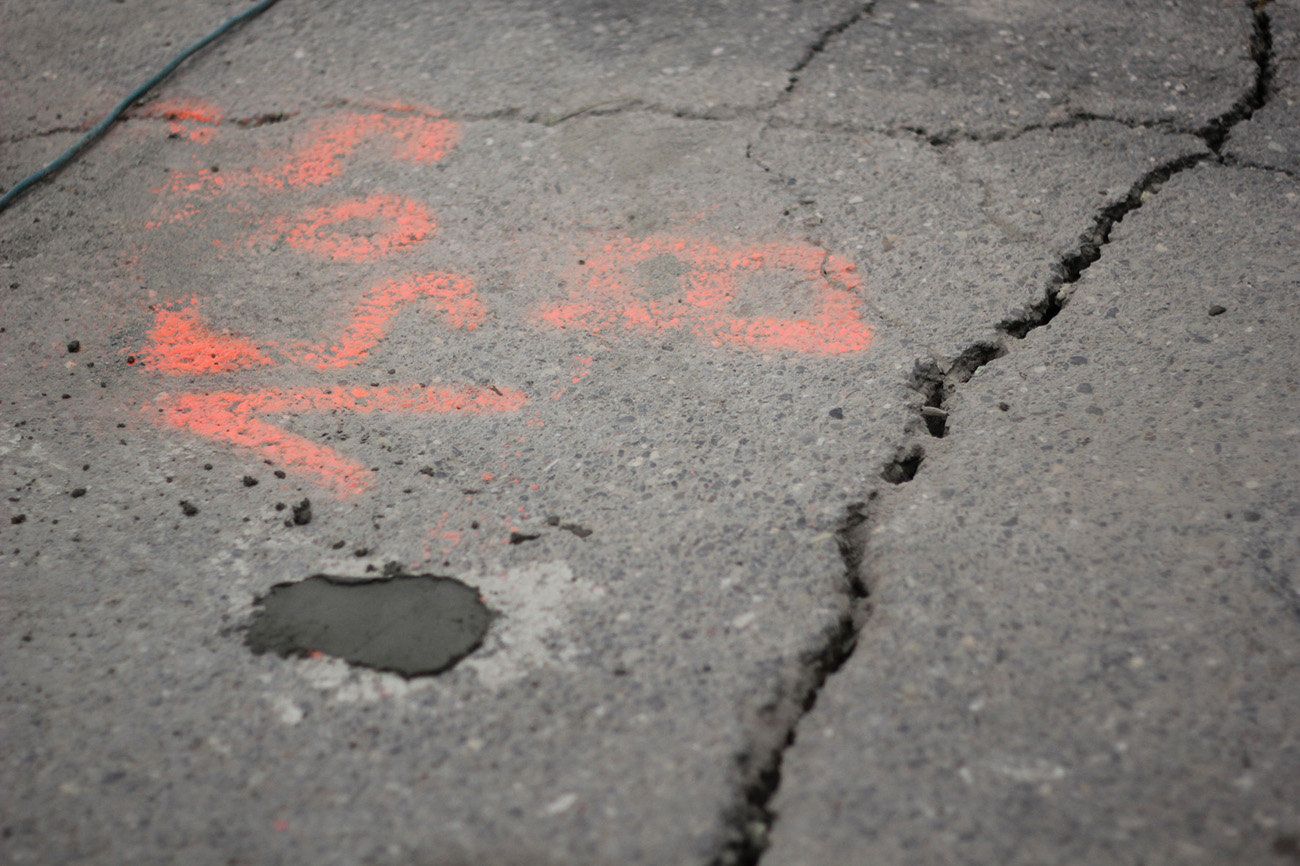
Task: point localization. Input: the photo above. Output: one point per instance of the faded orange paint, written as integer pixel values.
(182, 345)
(182, 109)
(610, 298)
(234, 417)
(183, 113)
(408, 222)
(453, 297)
(419, 138)
(585, 365)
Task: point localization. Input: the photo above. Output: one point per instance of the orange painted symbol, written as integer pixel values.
(236, 417)
(419, 137)
(406, 223)
(181, 343)
(664, 284)
(775, 297)
(453, 297)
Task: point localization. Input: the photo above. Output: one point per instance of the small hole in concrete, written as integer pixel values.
(413, 625)
(904, 466)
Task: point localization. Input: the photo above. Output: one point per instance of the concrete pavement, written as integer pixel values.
(869, 427)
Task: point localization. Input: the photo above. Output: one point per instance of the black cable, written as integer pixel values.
(71, 153)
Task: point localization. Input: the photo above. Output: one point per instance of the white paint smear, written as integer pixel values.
(532, 632)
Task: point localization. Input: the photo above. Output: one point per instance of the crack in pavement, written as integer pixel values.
(79, 129)
(818, 46)
(752, 820)
(1235, 162)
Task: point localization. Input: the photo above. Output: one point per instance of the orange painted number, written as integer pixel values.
(706, 286)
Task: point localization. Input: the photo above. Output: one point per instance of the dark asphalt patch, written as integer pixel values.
(413, 625)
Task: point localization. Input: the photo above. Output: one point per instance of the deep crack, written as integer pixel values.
(751, 823)
(906, 463)
(761, 766)
(823, 40)
(1216, 131)
(1071, 267)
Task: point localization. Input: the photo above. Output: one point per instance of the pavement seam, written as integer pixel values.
(823, 40)
(752, 822)
(1215, 133)
(79, 128)
(621, 105)
(1237, 162)
(752, 819)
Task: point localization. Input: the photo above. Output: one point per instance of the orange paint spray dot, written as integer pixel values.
(183, 110)
(183, 115)
(488, 476)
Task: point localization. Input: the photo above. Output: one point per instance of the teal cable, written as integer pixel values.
(102, 127)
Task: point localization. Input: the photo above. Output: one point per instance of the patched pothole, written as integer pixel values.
(413, 625)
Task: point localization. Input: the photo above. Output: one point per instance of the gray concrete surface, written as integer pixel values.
(629, 317)
(1108, 671)
(1267, 139)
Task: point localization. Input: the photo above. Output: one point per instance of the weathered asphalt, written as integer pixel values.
(873, 427)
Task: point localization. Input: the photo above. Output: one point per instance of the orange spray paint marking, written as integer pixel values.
(409, 223)
(612, 296)
(422, 139)
(453, 297)
(232, 417)
(184, 345)
(189, 110)
(182, 115)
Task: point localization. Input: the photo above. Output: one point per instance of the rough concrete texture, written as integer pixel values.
(1268, 138)
(949, 69)
(961, 240)
(1108, 671)
(618, 316)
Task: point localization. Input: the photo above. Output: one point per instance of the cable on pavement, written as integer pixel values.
(102, 127)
